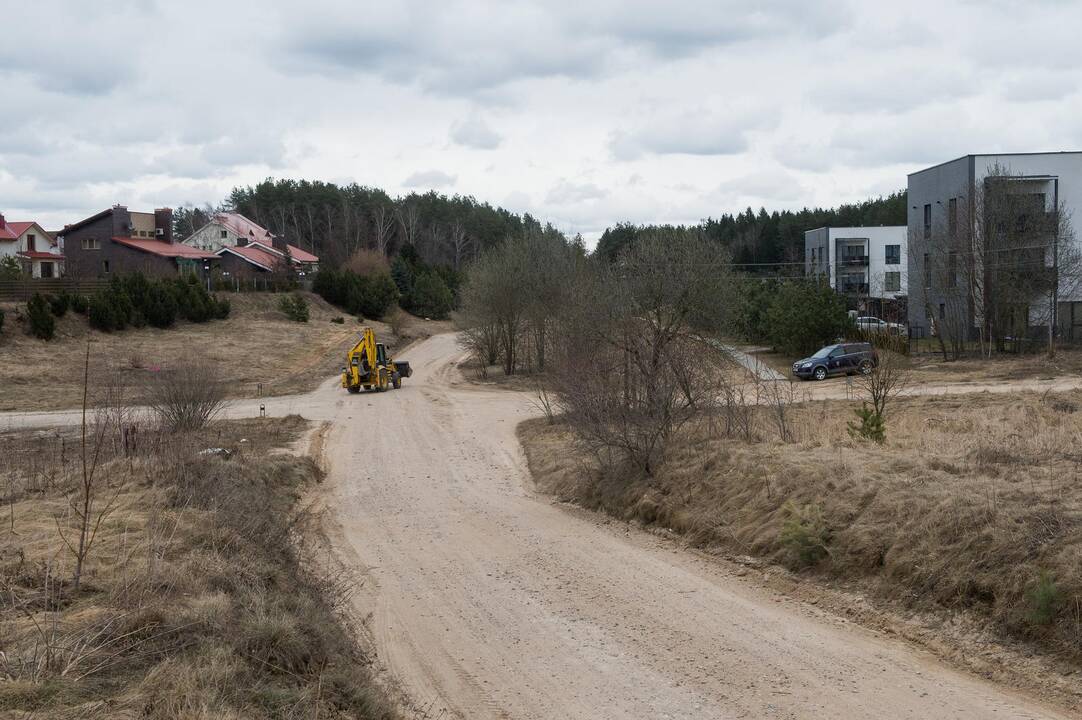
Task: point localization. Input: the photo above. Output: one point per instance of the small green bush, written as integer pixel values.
(59, 304)
(42, 322)
(805, 534)
(294, 307)
(431, 297)
(1045, 600)
(871, 425)
(80, 303)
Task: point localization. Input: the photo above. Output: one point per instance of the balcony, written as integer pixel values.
(853, 261)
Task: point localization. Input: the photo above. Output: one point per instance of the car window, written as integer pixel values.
(838, 351)
(823, 352)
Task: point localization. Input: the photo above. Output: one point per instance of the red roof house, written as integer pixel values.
(32, 247)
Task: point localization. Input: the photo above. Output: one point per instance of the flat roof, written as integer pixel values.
(1002, 154)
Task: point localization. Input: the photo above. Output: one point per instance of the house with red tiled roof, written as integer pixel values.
(34, 249)
(117, 240)
(246, 248)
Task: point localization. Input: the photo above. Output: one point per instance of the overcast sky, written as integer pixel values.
(583, 113)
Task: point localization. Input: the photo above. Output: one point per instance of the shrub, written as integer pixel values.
(805, 315)
(42, 322)
(80, 303)
(187, 395)
(367, 295)
(10, 269)
(161, 307)
(871, 425)
(294, 307)
(1045, 600)
(59, 304)
(805, 534)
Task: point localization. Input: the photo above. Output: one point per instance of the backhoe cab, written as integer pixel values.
(369, 367)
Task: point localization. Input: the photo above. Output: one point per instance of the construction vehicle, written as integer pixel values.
(368, 366)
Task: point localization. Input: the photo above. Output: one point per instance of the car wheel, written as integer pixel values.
(820, 373)
(865, 367)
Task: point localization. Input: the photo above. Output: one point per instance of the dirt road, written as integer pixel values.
(491, 602)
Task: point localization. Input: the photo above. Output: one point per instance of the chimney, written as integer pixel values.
(163, 224)
(3, 222)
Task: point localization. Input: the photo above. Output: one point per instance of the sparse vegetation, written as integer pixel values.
(294, 307)
(971, 506)
(186, 394)
(194, 601)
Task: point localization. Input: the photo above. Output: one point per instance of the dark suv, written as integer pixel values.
(841, 359)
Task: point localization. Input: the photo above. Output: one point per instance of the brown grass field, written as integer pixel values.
(974, 503)
(194, 602)
(256, 344)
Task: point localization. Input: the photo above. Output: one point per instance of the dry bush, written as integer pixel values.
(187, 394)
(975, 504)
(367, 262)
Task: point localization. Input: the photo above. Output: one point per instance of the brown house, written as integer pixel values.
(119, 241)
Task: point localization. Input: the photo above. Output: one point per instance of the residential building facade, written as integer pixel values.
(35, 250)
(246, 248)
(117, 240)
(962, 245)
(859, 262)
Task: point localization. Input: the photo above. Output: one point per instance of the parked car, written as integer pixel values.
(874, 324)
(840, 359)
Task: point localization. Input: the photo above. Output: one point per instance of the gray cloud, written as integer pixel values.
(429, 179)
(568, 193)
(474, 132)
(700, 131)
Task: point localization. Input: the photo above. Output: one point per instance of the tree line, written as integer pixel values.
(762, 238)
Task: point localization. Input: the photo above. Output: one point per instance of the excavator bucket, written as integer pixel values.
(403, 368)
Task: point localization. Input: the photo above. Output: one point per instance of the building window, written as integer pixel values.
(90, 243)
(892, 282)
(927, 271)
(952, 269)
(952, 217)
(30, 243)
(224, 234)
(894, 254)
(105, 266)
(927, 221)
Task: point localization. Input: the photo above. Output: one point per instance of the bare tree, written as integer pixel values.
(409, 220)
(382, 223)
(885, 381)
(459, 243)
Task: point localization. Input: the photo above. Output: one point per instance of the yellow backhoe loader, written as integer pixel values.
(369, 367)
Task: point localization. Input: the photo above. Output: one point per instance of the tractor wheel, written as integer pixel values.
(353, 389)
(396, 381)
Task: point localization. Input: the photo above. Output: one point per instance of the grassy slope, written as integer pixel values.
(194, 603)
(967, 505)
(256, 344)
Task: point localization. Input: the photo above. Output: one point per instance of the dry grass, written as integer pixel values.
(256, 344)
(193, 603)
(973, 503)
(932, 368)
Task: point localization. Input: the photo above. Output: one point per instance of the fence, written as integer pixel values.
(24, 288)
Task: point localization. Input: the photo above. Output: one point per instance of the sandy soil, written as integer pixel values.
(492, 602)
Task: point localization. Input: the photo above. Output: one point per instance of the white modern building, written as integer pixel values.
(952, 253)
(859, 262)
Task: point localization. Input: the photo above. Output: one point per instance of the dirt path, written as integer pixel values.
(491, 602)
